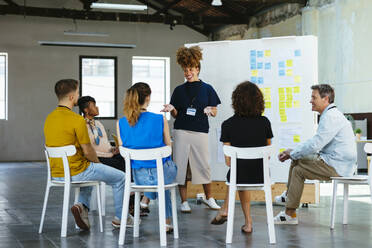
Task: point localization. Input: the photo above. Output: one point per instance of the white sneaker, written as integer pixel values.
(281, 199)
(211, 203)
(185, 208)
(283, 218)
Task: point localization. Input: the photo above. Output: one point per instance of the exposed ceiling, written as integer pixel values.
(199, 15)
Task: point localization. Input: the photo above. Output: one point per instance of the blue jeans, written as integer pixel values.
(149, 176)
(100, 172)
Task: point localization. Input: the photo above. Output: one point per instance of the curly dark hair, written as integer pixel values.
(189, 57)
(247, 100)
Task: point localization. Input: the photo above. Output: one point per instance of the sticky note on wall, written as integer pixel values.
(296, 89)
(254, 73)
(296, 138)
(297, 79)
(289, 63)
(289, 72)
(296, 104)
(267, 53)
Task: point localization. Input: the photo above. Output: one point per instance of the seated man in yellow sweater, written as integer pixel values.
(64, 127)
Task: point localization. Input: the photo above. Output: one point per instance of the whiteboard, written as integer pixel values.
(284, 68)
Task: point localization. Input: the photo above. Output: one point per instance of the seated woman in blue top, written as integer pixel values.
(139, 129)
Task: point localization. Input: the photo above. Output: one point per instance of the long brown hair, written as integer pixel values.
(134, 98)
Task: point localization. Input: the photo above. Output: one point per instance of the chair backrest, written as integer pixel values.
(60, 152)
(235, 153)
(145, 154)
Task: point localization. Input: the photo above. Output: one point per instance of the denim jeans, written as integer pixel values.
(149, 176)
(100, 172)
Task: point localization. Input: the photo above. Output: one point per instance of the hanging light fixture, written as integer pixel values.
(118, 6)
(216, 3)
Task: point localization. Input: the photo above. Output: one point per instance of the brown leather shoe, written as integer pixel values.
(80, 214)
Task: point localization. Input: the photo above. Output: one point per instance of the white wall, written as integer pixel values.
(34, 69)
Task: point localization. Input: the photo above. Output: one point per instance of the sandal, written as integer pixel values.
(169, 228)
(244, 231)
(219, 221)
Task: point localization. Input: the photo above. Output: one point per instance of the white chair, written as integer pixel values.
(62, 153)
(147, 154)
(249, 153)
(353, 180)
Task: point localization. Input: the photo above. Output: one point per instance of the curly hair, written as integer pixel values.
(189, 57)
(134, 99)
(247, 100)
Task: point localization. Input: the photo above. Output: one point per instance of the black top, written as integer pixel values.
(196, 95)
(247, 132)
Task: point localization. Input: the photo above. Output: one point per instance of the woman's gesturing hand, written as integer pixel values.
(167, 108)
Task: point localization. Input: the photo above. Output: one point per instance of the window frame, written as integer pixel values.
(81, 57)
(5, 87)
(166, 86)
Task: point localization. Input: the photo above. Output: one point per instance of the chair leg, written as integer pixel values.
(124, 214)
(230, 215)
(162, 226)
(333, 205)
(174, 212)
(94, 200)
(346, 201)
(270, 216)
(103, 198)
(137, 198)
(99, 207)
(44, 208)
(66, 199)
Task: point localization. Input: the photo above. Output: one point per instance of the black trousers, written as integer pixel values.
(116, 162)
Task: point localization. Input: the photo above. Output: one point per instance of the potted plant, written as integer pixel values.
(358, 133)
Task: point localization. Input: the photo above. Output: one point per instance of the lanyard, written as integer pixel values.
(196, 94)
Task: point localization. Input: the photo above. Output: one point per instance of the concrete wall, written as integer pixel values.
(345, 51)
(34, 69)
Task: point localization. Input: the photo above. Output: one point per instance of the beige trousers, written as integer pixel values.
(311, 167)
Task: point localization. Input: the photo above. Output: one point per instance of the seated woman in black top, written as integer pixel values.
(246, 128)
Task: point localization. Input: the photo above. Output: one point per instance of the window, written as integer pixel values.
(155, 72)
(98, 80)
(3, 86)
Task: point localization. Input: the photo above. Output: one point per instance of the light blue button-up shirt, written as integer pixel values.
(334, 141)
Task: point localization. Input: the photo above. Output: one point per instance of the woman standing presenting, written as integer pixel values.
(191, 104)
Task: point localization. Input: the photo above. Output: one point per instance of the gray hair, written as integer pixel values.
(325, 90)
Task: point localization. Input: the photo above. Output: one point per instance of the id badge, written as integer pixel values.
(191, 111)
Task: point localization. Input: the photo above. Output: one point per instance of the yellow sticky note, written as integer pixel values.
(267, 90)
(267, 53)
(289, 104)
(281, 105)
(289, 72)
(296, 138)
(281, 90)
(284, 119)
(254, 73)
(267, 104)
(288, 90)
(289, 63)
(281, 98)
(296, 89)
(282, 112)
(289, 98)
(297, 79)
(281, 150)
(267, 98)
(296, 104)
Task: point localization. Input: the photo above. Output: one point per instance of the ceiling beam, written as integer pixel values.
(113, 16)
(167, 7)
(11, 3)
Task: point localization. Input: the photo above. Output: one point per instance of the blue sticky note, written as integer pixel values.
(259, 65)
(253, 66)
(260, 80)
(254, 79)
(297, 53)
(260, 54)
(281, 72)
(281, 64)
(253, 53)
(267, 66)
(253, 60)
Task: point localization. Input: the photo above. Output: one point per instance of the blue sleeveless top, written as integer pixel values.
(146, 133)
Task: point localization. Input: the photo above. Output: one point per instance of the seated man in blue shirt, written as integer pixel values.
(331, 152)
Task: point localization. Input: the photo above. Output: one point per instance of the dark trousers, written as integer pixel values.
(116, 162)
